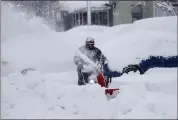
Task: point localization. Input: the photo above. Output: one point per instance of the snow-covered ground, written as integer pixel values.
(52, 91)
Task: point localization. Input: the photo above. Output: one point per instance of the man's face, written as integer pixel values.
(90, 46)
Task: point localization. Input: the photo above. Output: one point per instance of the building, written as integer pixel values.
(71, 14)
(74, 13)
(130, 11)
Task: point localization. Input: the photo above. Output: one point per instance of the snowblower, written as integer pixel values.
(105, 81)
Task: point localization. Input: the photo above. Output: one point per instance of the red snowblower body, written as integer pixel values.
(109, 92)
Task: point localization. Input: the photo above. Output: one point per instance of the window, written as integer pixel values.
(93, 18)
(81, 18)
(84, 18)
(137, 13)
(97, 18)
(136, 16)
(73, 18)
(105, 18)
(77, 20)
(101, 18)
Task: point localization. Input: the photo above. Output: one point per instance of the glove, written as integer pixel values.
(80, 66)
(131, 68)
(103, 57)
(103, 60)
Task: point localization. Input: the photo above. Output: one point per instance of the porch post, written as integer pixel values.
(88, 13)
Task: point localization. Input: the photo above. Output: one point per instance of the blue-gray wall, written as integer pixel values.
(123, 11)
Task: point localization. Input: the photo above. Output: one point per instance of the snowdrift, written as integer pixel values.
(52, 92)
(133, 42)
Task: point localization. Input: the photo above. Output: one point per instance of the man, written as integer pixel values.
(96, 56)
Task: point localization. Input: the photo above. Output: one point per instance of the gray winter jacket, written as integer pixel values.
(94, 55)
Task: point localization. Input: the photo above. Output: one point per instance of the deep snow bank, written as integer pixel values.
(154, 36)
(57, 96)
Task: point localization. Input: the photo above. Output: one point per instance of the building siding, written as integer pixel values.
(122, 12)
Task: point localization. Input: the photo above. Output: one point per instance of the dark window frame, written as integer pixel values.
(99, 17)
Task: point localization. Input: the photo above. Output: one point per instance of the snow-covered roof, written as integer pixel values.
(72, 6)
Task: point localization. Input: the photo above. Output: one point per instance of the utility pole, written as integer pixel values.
(88, 13)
